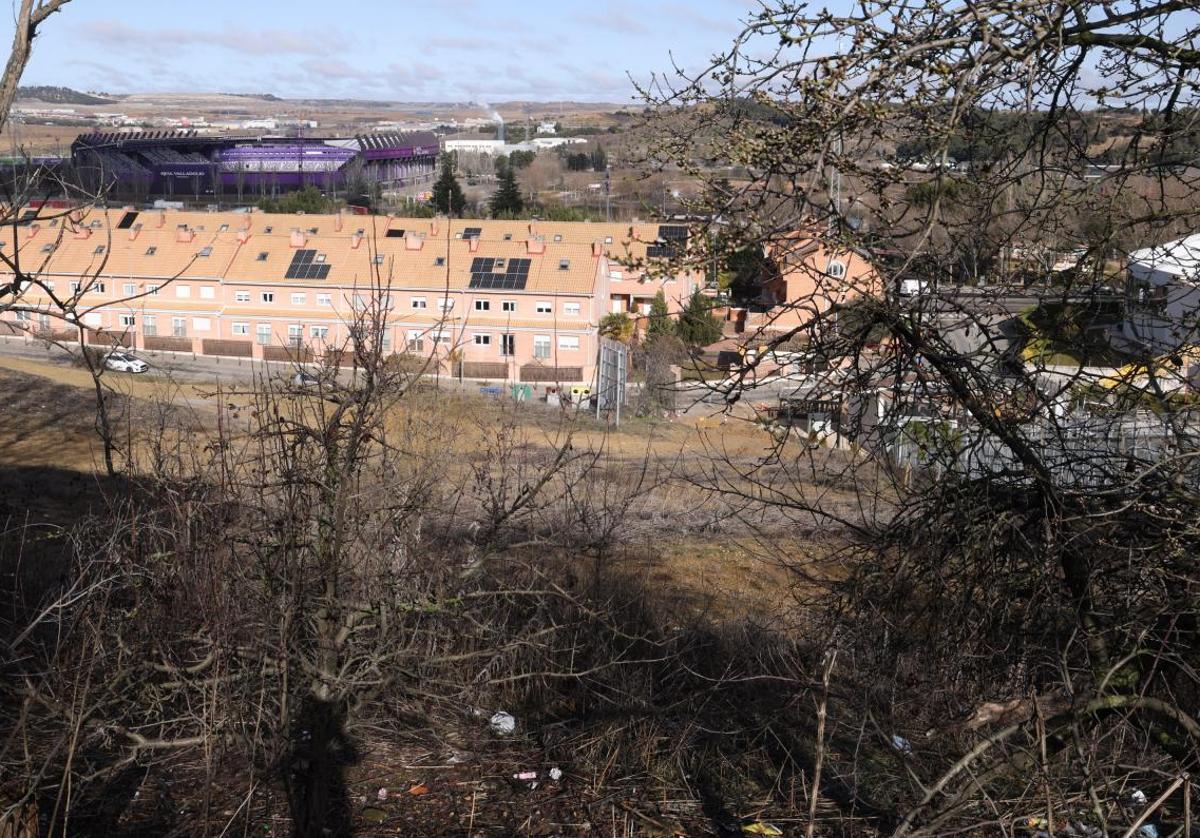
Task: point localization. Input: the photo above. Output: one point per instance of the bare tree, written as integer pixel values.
(1017, 591)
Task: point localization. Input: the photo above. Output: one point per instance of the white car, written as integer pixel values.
(303, 378)
(124, 362)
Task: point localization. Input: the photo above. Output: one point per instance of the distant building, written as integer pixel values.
(186, 163)
(475, 145)
(808, 279)
(547, 128)
(1162, 300)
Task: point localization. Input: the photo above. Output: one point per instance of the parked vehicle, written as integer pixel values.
(125, 362)
(303, 378)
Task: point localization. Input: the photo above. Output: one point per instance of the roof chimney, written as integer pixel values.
(535, 244)
(243, 236)
(32, 230)
(337, 222)
(185, 234)
(83, 232)
(245, 225)
(134, 230)
(298, 238)
(433, 227)
(473, 243)
(162, 219)
(413, 242)
(356, 241)
(597, 248)
(635, 234)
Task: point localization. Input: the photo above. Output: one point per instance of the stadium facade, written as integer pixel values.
(189, 165)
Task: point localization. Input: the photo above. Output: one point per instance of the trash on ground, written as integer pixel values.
(503, 723)
(556, 774)
(418, 790)
(761, 828)
(382, 794)
(525, 775)
(901, 744)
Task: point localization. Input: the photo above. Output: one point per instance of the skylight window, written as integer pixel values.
(564, 264)
(151, 250)
(205, 251)
(262, 257)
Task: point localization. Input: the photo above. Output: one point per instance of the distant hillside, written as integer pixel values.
(60, 96)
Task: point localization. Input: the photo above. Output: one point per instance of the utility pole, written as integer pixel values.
(607, 192)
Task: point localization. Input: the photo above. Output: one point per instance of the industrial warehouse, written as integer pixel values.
(513, 300)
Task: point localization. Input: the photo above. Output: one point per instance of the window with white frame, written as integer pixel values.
(183, 291)
(22, 316)
(541, 346)
(445, 304)
(324, 300)
(571, 309)
(318, 332)
(295, 335)
(418, 303)
(508, 344)
(179, 327)
(483, 340)
(74, 287)
(263, 333)
(836, 270)
(153, 289)
(568, 342)
(207, 292)
(416, 342)
(241, 330)
(268, 296)
(128, 321)
(483, 305)
(93, 318)
(149, 325)
(509, 306)
(241, 296)
(98, 287)
(44, 322)
(201, 324)
(544, 307)
(129, 289)
(299, 299)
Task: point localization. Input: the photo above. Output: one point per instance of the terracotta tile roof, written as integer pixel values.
(167, 244)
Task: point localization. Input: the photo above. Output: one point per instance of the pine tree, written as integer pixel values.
(661, 324)
(447, 194)
(697, 326)
(507, 200)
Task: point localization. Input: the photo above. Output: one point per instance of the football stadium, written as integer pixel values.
(189, 165)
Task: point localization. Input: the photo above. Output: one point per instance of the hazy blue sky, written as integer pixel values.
(439, 50)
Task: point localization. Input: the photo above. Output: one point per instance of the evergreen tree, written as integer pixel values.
(447, 194)
(507, 199)
(697, 326)
(661, 324)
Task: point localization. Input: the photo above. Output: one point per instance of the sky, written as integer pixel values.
(439, 50)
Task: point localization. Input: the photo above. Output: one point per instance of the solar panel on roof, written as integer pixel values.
(127, 220)
(304, 265)
(487, 274)
(395, 234)
(672, 232)
(661, 250)
(472, 232)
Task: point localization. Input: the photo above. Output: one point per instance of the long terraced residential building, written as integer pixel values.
(512, 300)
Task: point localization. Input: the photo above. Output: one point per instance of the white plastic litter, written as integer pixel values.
(1138, 796)
(1148, 831)
(901, 744)
(556, 774)
(525, 775)
(503, 723)
(382, 794)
